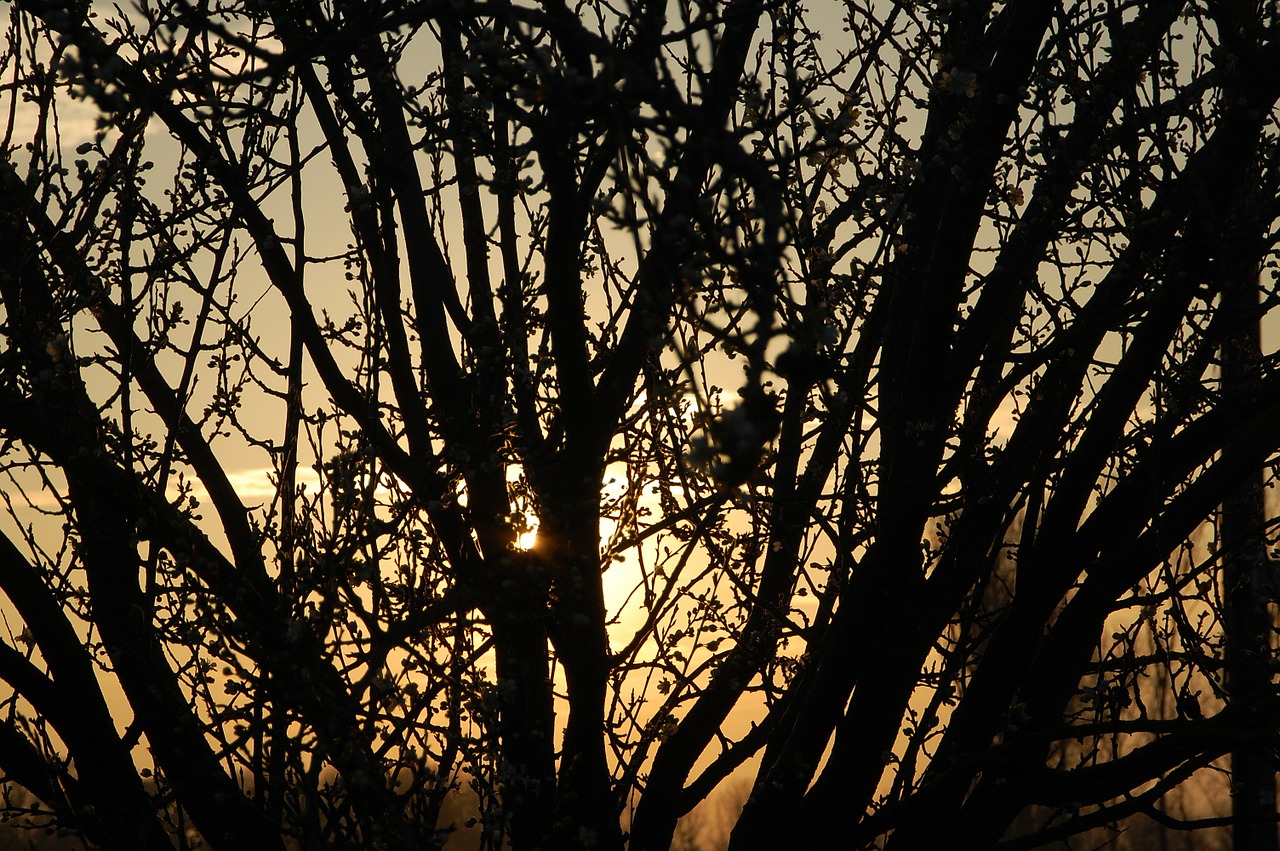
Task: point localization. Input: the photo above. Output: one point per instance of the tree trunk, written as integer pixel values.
(1248, 590)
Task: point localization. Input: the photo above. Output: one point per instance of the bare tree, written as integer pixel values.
(577, 406)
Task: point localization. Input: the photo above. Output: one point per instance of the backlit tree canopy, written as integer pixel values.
(506, 423)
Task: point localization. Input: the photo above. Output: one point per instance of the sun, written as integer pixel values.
(528, 538)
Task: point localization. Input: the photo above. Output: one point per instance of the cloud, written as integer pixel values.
(257, 485)
(77, 122)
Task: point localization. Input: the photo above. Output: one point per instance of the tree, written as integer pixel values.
(639, 394)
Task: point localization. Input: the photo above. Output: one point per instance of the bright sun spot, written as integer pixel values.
(526, 539)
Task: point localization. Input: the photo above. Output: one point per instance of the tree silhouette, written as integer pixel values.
(428, 417)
